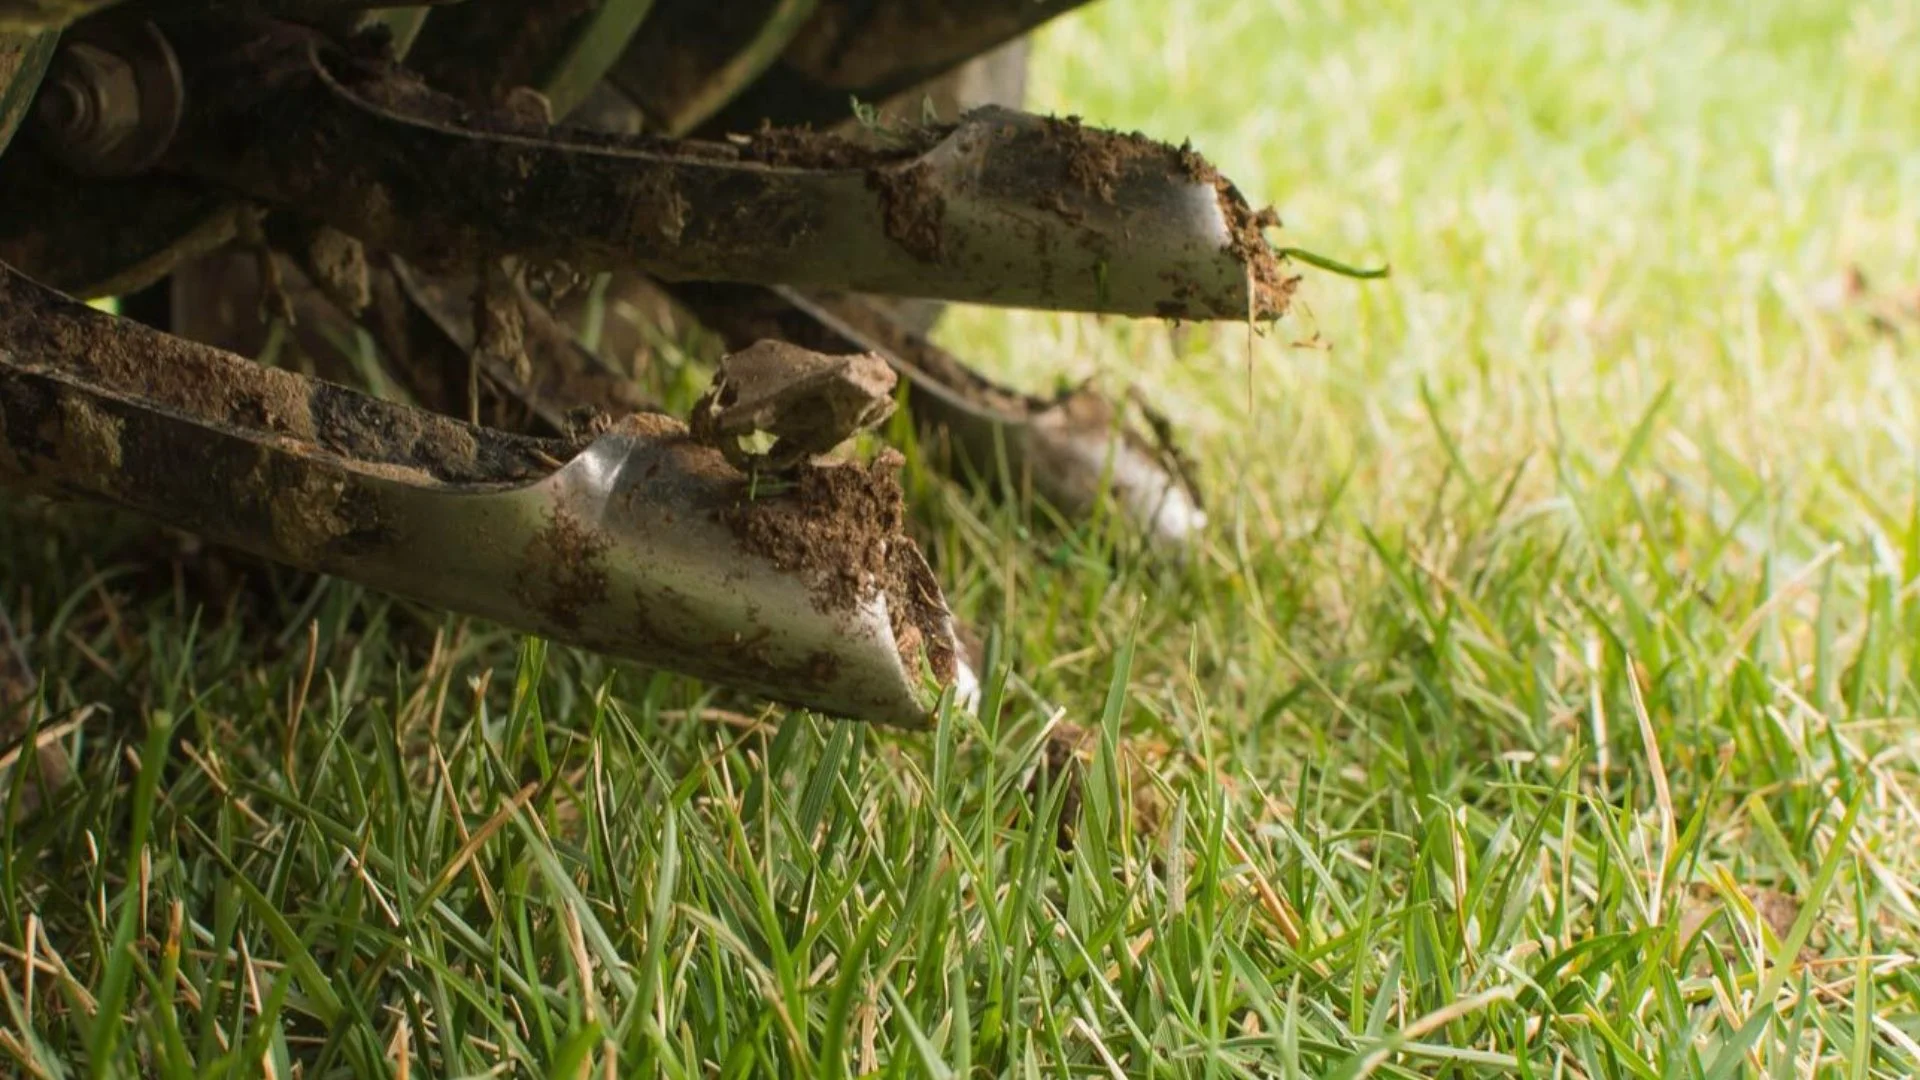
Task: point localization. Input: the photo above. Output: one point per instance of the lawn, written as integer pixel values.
(1541, 701)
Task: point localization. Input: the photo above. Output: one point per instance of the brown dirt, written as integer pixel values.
(500, 325)
(308, 515)
(806, 149)
(1096, 160)
(914, 208)
(1272, 287)
(338, 265)
(842, 530)
(917, 603)
(563, 571)
(47, 331)
(1700, 903)
(834, 528)
(91, 438)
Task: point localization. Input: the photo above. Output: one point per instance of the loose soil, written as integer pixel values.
(563, 571)
(44, 330)
(842, 529)
(800, 148)
(1097, 159)
(914, 208)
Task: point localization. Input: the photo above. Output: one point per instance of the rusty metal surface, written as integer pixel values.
(641, 543)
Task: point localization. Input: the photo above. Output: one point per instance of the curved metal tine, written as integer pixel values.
(641, 544)
(559, 378)
(1003, 208)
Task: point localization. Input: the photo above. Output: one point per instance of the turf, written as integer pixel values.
(1540, 703)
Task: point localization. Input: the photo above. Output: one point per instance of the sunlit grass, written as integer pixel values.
(1561, 602)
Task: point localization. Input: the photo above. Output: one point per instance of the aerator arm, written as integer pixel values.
(642, 543)
(1001, 208)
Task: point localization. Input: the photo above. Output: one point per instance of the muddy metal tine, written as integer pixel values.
(640, 543)
(1002, 208)
(1070, 449)
(560, 375)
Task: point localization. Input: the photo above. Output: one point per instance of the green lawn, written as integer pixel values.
(1541, 703)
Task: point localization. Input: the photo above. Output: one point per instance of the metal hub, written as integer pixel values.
(111, 101)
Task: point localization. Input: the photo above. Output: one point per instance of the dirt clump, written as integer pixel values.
(914, 208)
(339, 265)
(1272, 287)
(306, 516)
(833, 528)
(1097, 162)
(841, 529)
(803, 148)
(1094, 158)
(916, 607)
(91, 439)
